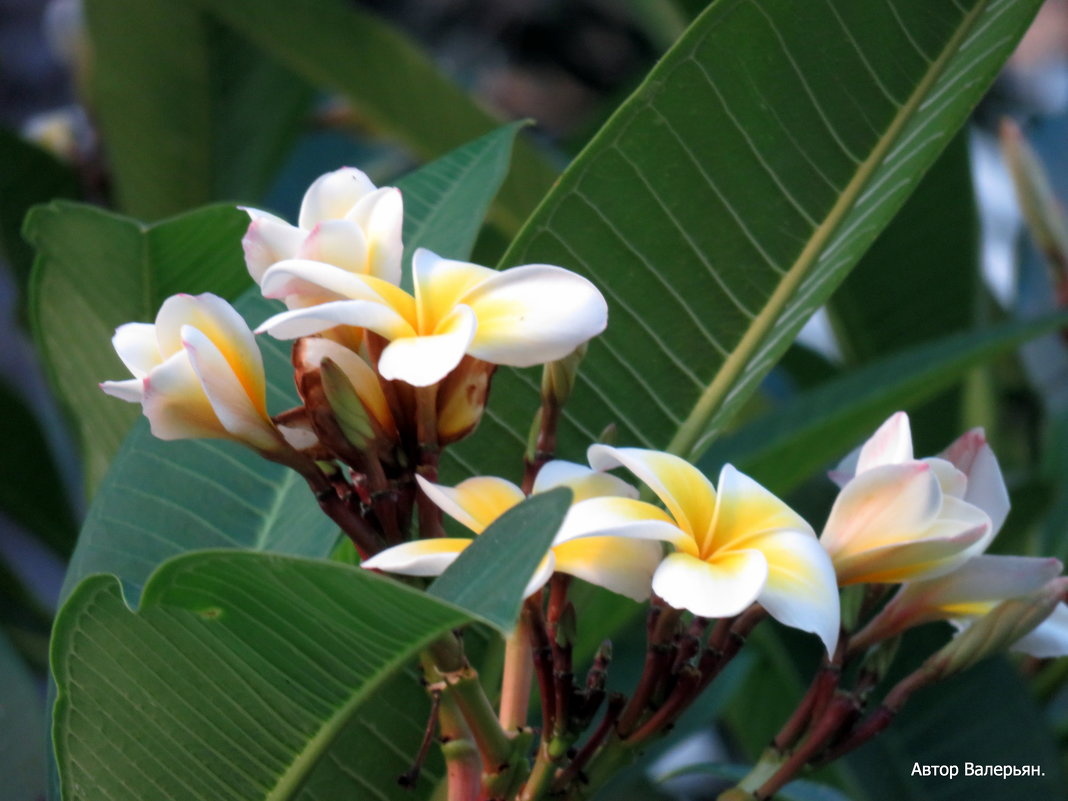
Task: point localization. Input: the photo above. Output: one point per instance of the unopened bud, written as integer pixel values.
(608, 435)
(349, 412)
(462, 399)
(558, 378)
(998, 629)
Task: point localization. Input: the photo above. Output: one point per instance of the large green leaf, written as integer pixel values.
(242, 676)
(489, 577)
(798, 438)
(95, 271)
(393, 84)
(208, 119)
(22, 736)
(729, 196)
(161, 499)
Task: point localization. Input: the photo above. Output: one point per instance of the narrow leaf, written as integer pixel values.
(489, 577)
(242, 676)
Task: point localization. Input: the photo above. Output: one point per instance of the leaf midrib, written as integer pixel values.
(712, 398)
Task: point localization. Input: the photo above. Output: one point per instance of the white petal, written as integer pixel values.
(235, 392)
(137, 346)
(745, 511)
(890, 444)
(217, 320)
(269, 240)
(175, 403)
(944, 547)
(336, 242)
(381, 215)
(331, 196)
(684, 490)
(476, 502)
(419, 558)
(534, 314)
(622, 517)
(317, 281)
(583, 482)
(544, 572)
(801, 589)
(723, 587)
(439, 285)
(315, 319)
(952, 481)
(615, 563)
(132, 390)
(1049, 639)
(425, 360)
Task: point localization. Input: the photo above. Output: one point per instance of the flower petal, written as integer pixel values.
(544, 572)
(723, 587)
(684, 490)
(314, 282)
(801, 589)
(952, 481)
(583, 482)
(622, 517)
(890, 444)
(746, 510)
(425, 360)
(138, 348)
(971, 454)
(534, 314)
(418, 558)
(439, 285)
(476, 502)
(615, 563)
(381, 216)
(132, 390)
(235, 392)
(332, 195)
(175, 402)
(339, 243)
(297, 323)
(1049, 639)
(883, 505)
(269, 240)
(219, 322)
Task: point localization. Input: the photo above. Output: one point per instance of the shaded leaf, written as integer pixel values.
(95, 271)
(242, 676)
(22, 736)
(489, 577)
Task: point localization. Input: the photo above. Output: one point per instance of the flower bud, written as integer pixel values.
(462, 398)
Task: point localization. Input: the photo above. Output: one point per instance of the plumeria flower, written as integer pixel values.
(197, 373)
(735, 543)
(898, 518)
(620, 565)
(968, 593)
(344, 221)
(520, 317)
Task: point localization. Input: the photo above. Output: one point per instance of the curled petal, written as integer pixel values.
(419, 558)
(331, 196)
(297, 323)
(476, 502)
(685, 491)
(971, 454)
(801, 589)
(534, 314)
(381, 216)
(175, 404)
(952, 481)
(722, 587)
(884, 505)
(615, 563)
(312, 281)
(544, 572)
(440, 284)
(622, 517)
(131, 390)
(583, 482)
(269, 240)
(336, 242)
(219, 322)
(137, 347)
(746, 510)
(890, 444)
(425, 360)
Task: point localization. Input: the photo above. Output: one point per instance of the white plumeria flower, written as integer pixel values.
(734, 544)
(197, 373)
(902, 519)
(344, 221)
(620, 565)
(965, 595)
(520, 317)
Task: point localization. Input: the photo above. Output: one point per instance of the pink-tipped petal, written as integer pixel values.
(131, 390)
(890, 444)
(268, 241)
(720, 588)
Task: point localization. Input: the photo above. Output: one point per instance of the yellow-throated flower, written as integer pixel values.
(735, 543)
(197, 373)
(903, 519)
(344, 221)
(520, 317)
(621, 565)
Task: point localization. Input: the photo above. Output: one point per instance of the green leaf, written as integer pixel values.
(727, 198)
(186, 124)
(30, 176)
(95, 271)
(799, 790)
(489, 576)
(242, 676)
(809, 432)
(32, 492)
(161, 499)
(445, 202)
(22, 736)
(393, 85)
